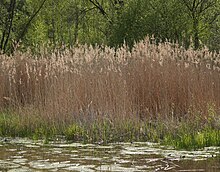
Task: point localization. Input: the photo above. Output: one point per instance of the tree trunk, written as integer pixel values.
(11, 18)
(3, 39)
(76, 25)
(196, 33)
(8, 26)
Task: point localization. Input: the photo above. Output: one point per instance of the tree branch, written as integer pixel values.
(204, 8)
(101, 9)
(187, 5)
(24, 31)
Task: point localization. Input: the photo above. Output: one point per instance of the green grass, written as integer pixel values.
(14, 125)
(182, 135)
(195, 140)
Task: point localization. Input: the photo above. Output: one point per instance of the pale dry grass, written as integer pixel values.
(87, 84)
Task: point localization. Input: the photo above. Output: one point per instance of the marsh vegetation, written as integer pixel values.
(156, 92)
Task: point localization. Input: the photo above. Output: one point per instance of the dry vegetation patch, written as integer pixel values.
(86, 84)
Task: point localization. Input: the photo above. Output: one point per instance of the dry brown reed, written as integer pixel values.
(88, 83)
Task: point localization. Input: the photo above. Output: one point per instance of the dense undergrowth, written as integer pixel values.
(161, 93)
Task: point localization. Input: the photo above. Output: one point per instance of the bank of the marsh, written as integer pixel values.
(160, 93)
(186, 134)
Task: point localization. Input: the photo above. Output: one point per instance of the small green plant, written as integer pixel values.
(75, 132)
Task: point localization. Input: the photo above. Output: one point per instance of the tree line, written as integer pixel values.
(54, 23)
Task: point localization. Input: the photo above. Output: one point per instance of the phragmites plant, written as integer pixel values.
(87, 84)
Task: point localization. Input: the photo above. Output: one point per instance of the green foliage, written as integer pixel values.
(197, 140)
(130, 25)
(74, 132)
(187, 135)
(67, 22)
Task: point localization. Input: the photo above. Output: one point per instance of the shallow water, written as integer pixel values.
(23, 155)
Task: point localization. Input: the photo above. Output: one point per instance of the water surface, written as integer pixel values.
(24, 155)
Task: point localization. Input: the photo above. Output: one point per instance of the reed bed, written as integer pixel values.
(89, 85)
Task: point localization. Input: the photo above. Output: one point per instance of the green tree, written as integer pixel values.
(113, 22)
(129, 25)
(165, 20)
(15, 22)
(198, 11)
